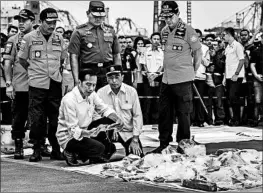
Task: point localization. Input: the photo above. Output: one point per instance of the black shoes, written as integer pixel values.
(110, 152)
(56, 155)
(71, 158)
(219, 122)
(45, 151)
(198, 124)
(19, 152)
(36, 156)
(98, 160)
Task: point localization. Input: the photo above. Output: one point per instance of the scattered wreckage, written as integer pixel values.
(227, 169)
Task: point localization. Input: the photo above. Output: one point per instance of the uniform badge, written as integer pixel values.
(37, 54)
(100, 64)
(107, 34)
(8, 47)
(194, 38)
(22, 45)
(177, 47)
(88, 32)
(89, 45)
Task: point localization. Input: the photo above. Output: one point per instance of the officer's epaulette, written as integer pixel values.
(82, 26)
(165, 29)
(107, 25)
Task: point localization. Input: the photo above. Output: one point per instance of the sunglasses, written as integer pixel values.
(209, 39)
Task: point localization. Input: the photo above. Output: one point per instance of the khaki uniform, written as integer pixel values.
(44, 58)
(176, 89)
(177, 46)
(19, 78)
(94, 44)
(45, 92)
(20, 85)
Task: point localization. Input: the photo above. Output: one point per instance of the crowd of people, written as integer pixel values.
(74, 87)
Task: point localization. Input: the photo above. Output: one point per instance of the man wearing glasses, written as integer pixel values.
(179, 42)
(42, 53)
(94, 45)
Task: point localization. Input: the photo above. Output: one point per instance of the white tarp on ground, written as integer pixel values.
(149, 137)
(211, 134)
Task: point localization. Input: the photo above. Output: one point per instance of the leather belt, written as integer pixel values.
(96, 65)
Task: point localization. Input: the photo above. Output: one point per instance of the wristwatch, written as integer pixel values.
(135, 140)
(8, 84)
(236, 73)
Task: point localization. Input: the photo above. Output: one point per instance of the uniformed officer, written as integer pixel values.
(94, 45)
(17, 82)
(179, 42)
(42, 53)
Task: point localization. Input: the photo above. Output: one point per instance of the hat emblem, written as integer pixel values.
(165, 6)
(52, 15)
(112, 69)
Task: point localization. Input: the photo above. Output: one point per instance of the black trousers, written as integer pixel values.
(179, 96)
(199, 113)
(19, 114)
(106, 138)
(150, 107)
(88, 148)
(43, 104)
(234, 91)
(5, 107)
(219, 110)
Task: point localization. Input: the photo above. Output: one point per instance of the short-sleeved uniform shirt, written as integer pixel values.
(234, 53)
(44, 58)
(178, 46)
(19, 77)
(152, 59)
(94, 44)
(257, 58)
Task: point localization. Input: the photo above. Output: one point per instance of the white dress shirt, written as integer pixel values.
(153, 59)
(234, 53)
(127, 106)
(75, 114)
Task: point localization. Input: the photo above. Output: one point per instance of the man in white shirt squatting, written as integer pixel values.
(125, 101)
(78, 135)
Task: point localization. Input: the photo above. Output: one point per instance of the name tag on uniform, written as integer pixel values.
(107, 34)
(88, 33)
(37, 54)
(177, 47)
(100, 64)
(56, 42)
(37, 42)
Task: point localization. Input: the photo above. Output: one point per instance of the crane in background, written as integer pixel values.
(66, 20)
(249, 17)
(126, 27)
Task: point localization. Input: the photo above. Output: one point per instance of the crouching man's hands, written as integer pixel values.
(118, 122)
(134, 147)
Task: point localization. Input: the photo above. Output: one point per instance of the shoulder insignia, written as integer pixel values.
(82, 26)
(8, 47)
(194, 38)
(107, 25)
